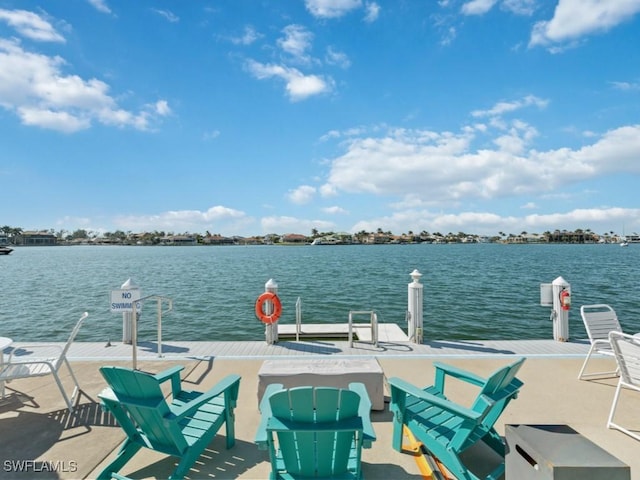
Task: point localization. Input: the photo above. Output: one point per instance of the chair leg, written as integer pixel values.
(64, 394)
(457, 468)
(614, 405)
(584, 365)
(582, 375)
(495, 442)
(610, 423)
(75, 380)
(126, 452)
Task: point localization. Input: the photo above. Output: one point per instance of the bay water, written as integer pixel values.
(471, 291)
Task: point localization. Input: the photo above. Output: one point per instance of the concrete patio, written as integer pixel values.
(40, 439)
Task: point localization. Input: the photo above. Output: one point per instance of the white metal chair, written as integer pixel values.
(45, 360)
(599, 319)
(627, 351)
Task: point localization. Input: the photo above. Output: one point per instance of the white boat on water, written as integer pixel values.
(4, 250)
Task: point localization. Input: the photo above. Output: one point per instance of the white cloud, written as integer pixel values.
(301, 195)
(168, 15)
(448, 167)
(486, 223)
(626, 86)
(249, 36)
(31, 25)
(100, 5)
(296, 42)
(34, 87)
(298, 85)
(574, 19)
(520, 7)
(211, 135)
(501, 108)
(331, 8)
(478, 7)
(161, 107)
(373, 12)
(279, 224)
(63, 122)
(335, 210)
(335, 57)
(183, 220)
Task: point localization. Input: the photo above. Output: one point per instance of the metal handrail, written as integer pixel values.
(134, 329)
(374, 325)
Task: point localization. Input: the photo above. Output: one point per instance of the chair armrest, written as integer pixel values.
(228, 382)
(456, 372)
(261, 438)
(172, 374)
(364, 411)
(398, 384)
(30, 358)
(601, 342)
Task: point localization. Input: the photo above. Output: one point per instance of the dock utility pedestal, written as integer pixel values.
(558, 452)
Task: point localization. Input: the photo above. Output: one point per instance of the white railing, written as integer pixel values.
(374, 325)
(134, 328)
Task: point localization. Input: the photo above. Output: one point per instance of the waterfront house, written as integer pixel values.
(35, 238)
(217, 240)
(294, 238)
(179, 240)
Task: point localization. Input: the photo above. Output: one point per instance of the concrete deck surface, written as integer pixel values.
(40, 439)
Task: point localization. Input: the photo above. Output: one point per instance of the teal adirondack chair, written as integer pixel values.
(181, 426)
(315, 432)
(447, 429)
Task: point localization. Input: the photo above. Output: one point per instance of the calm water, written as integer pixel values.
(481, 291)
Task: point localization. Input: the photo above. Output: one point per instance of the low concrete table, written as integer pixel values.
(337, 373)
(558, 452)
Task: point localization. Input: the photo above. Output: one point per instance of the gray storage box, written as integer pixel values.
(557, 452)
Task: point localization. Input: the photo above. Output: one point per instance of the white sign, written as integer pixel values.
(123, 300)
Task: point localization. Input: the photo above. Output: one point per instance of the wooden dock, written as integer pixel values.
(321, 341)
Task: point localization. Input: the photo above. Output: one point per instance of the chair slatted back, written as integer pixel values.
(319, 436)
(70, 340)
(142, 407)
(627, 350)
(599, 320)
(500, 388)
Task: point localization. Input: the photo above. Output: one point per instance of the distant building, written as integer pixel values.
(36, 239)
(294, 238)
(378, 238)
(180, 240)
(218, 240)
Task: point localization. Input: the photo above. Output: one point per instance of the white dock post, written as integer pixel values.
(128, 323)
(271, 330)
(560, 314)
(415, 327)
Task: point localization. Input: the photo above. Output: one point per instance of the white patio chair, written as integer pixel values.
(45, 360)
(599, 320)
(627, 351)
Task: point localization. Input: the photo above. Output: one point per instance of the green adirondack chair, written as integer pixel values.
(315, 432)
(447, 429)
(182, 425)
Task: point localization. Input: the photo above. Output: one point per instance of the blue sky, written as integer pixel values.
(245, 117)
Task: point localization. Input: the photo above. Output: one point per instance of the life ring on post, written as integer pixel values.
(260, 311)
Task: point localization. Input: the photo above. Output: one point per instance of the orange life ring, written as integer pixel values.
(277, 308)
